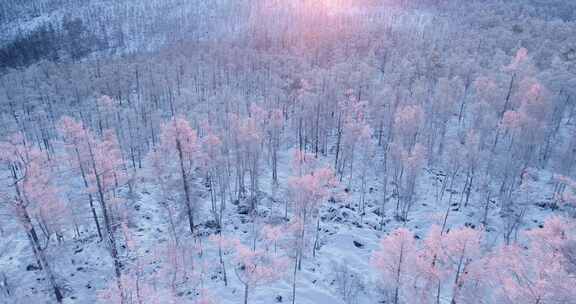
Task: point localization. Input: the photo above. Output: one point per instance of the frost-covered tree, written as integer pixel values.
(32, 190)
(393, 262)
(255, 268)
(76, 139)
(308, 191)
(407, 165)
(247, 138)
(541, 273)
(179, 151)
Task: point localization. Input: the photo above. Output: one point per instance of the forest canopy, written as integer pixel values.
(288, 151)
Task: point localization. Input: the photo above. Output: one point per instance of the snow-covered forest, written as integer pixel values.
(288, 151)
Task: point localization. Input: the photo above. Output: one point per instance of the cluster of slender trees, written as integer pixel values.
(458, 267)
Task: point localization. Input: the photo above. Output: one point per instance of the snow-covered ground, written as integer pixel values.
(85, 266)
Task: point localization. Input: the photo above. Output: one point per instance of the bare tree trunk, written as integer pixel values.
(245, 293)
(398, 273)
(108, 226)
(220, 256)
(457, 279)
(317, 236)
(24, 219)
(384, 192)
(338, 140)
(90, 198)
(189, 209)
(295, 272)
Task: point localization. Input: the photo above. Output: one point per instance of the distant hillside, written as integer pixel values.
(31, 31)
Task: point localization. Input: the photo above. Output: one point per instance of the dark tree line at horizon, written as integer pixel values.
(73, 42)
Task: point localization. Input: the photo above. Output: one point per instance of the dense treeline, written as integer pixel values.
(73, 42)
(72, 30)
